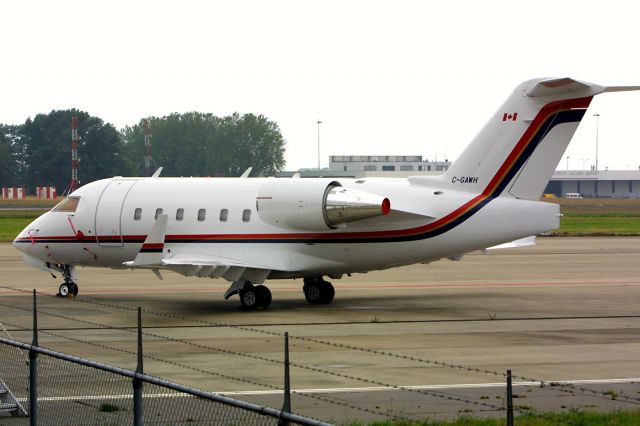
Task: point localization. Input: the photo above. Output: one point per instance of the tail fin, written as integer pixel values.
(517, 151)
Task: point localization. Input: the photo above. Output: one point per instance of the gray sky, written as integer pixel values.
(385, 77)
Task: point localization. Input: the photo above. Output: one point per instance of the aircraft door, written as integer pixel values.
(108, 218)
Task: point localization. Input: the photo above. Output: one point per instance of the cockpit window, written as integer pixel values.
(68, 205)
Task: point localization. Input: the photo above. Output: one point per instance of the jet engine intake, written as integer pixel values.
(316, 204)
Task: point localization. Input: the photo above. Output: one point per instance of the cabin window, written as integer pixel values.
(158, 212)
(246, 215)
(68, 205)
(224, 214)
(180, 214)
(202, 214)
(137, 214)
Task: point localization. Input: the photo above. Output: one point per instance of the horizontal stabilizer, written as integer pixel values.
(555, 86)
(621, 88)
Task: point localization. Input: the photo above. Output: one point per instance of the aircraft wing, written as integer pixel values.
(211, 266)
(153, 256)
(522, 242)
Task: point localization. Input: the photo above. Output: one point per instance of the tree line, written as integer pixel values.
(38, 152)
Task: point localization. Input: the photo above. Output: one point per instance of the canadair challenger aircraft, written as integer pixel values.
(248, 230)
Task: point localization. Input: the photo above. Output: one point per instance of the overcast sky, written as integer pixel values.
(393, 77)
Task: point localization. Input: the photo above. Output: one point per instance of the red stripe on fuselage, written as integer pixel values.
(153, 246)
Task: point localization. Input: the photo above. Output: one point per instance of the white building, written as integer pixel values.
(595, 184)
(385, 163)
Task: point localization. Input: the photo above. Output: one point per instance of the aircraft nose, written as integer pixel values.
(19, 242)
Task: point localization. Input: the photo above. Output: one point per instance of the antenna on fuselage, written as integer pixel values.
(246, 173)
(157, 173)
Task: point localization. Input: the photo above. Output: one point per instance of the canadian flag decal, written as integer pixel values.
(510, 117)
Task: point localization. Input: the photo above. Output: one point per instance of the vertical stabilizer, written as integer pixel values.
(517, 151)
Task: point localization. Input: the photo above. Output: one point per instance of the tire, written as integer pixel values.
(74, 289)
(328, 292)
(313, 292)
(264, 294)
(64, 290)
(250, 298)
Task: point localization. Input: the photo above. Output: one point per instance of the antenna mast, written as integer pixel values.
(74, 154)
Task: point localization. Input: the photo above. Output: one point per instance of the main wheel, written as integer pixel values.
(328, 292)
(250, 297)
(64, 289)
(313, 292)
(264, 294)
(74, 289)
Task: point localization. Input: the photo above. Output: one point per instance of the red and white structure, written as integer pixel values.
(46, 192)
(74, 154)
(147, 148)
(14, 193)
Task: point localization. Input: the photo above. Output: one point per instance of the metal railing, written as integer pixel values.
(169, 401)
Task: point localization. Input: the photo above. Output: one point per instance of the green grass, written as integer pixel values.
(12, 222)
(570, 418)
(599, 224)
(29, 202)
(577, 221)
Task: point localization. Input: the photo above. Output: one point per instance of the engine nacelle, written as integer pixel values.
(315, 204)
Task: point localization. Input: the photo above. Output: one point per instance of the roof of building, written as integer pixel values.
(596, 175)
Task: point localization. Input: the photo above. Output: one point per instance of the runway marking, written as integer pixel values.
(435, 387)
(151, 289)
(340, 390)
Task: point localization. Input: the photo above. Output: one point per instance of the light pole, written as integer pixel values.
(319, 123)
(567, 163)
(597, 116)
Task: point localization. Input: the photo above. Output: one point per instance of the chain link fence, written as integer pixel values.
(75, 391)
(46, 387)
(165, 405)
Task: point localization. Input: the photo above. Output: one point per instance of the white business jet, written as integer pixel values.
(248, 230)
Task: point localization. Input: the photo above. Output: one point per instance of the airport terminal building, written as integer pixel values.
(595, 184)
(587, 183)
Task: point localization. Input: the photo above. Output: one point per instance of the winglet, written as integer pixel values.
(151, 252)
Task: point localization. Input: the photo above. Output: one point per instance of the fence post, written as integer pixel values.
(138, 415)
(33, 369)
(509, 400)
(286, 406)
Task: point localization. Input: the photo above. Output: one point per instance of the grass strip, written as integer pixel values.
(570, 418)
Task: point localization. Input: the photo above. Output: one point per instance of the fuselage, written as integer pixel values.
(219, 217)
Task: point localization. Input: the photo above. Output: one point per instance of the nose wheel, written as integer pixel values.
(68, 289)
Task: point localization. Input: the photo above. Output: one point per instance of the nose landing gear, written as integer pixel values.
(68, 288)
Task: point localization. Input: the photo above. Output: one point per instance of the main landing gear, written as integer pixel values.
(68, 288)
(254, 296)
(317, 291)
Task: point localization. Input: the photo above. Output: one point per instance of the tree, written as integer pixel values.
(198, 144)
(10, 165)
(46, 149)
